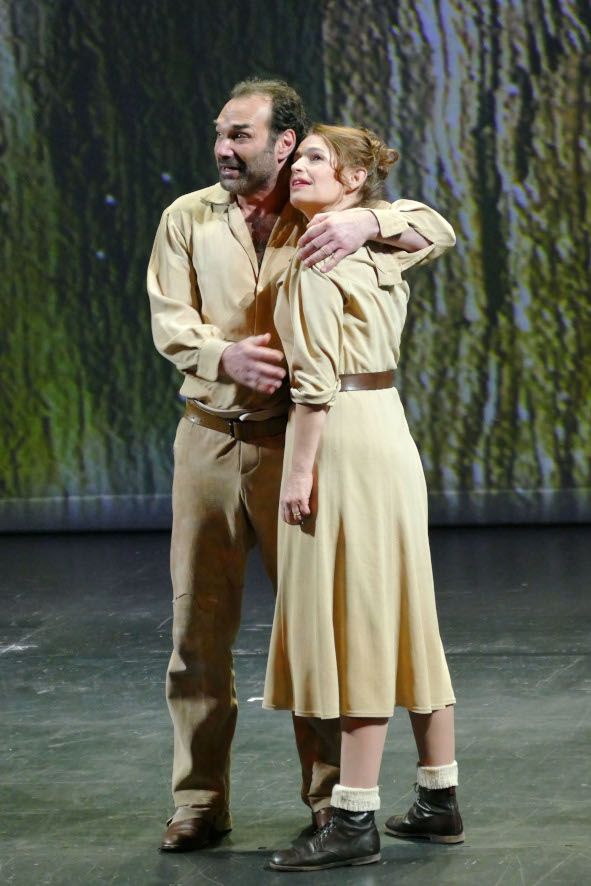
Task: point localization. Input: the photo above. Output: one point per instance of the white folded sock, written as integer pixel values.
(436, 777)
(355, 799)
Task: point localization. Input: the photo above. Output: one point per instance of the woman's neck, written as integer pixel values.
(348, 201)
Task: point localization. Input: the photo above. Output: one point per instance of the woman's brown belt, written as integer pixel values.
(248, 431)
(368, 381)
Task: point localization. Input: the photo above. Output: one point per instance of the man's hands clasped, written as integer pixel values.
(251, 362)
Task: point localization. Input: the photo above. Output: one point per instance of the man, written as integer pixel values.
(212, 278)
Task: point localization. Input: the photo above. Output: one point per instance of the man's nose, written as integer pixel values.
(223, 148)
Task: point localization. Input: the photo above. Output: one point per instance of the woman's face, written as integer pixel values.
(314, 186)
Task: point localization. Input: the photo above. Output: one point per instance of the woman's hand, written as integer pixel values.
(294, 502)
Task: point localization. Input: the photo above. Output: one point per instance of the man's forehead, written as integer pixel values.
(251, 110)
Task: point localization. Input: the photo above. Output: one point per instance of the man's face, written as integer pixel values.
(244, 149)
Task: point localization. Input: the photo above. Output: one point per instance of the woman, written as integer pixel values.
(355, 629)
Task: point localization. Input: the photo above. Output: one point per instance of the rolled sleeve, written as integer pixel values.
(432, 226)
(390, 221)
(316, 311)
(401, 215)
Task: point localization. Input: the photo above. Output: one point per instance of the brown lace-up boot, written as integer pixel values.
(434, 816)
(349, 838)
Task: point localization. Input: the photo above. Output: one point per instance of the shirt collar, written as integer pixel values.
(218, 196)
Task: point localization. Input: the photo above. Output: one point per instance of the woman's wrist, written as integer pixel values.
(301, 470)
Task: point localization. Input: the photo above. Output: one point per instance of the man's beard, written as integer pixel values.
(252, 177)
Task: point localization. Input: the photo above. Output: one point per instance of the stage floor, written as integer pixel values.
(86, 740)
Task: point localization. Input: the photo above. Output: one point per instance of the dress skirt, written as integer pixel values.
(355, 630)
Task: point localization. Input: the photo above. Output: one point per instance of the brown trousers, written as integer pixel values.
(225, 499)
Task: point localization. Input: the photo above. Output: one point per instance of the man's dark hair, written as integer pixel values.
(287, 107)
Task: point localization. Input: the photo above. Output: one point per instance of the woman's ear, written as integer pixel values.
(355, 178)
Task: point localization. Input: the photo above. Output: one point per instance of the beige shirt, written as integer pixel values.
(207, 290)
(351, 319)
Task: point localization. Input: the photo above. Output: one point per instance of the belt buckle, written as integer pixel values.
(231, 431)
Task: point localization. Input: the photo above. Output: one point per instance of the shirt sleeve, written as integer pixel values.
(316, 313)
(404, 214)
(178, 331)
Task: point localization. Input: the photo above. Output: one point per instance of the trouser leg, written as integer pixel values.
(210, 540)
(319, 749)
(318, 741)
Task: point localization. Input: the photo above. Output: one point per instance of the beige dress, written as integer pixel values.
(355, 629)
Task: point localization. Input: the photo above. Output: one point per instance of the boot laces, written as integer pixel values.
(321, 836)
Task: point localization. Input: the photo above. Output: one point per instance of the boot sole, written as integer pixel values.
(433, 838)
(195, 845)
(368, 859)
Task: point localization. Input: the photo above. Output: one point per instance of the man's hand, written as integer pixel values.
(331, 236)
(252, 363)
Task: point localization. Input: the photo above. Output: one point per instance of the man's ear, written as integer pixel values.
(285, 144)
(355, 178)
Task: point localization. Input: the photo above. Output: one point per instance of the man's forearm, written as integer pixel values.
(408, 239)
(331, 236)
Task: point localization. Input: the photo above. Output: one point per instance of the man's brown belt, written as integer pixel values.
(247, 431)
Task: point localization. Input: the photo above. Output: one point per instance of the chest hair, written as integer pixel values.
(260, 227)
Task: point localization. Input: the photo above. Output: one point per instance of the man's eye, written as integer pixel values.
(241, 135)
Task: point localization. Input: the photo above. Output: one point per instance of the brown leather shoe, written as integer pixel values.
(349, 838)
(323, 816)
(434, 816)
(189, 835)
(319, 819)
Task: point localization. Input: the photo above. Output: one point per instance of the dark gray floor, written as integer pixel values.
(84, 640)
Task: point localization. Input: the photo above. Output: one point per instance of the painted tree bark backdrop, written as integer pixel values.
(490, 106)
(106, 113)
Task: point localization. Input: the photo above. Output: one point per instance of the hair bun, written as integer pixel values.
(383, 156)
(387, 157)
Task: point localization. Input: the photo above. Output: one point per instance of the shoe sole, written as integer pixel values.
(189, 846)
(352, 862)
(433, 838)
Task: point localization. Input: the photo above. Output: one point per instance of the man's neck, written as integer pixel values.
(266, 201)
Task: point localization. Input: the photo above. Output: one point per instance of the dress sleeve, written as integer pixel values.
(404, 214)
(316, 314)
(178, 330)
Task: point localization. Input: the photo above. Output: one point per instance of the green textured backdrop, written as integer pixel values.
(106, 117)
